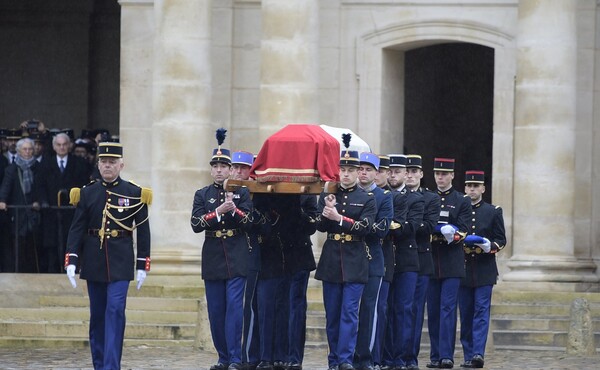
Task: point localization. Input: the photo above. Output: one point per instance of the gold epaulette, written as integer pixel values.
(74, 196)
(146, 196)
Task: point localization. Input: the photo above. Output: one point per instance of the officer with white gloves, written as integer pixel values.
(100, 244)
(486, 237)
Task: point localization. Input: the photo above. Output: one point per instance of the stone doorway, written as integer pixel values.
(449, 108)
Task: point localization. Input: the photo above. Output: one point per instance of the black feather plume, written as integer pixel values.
(221, 133)
(346, 139)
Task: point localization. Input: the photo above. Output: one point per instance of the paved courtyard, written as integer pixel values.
(179, 358)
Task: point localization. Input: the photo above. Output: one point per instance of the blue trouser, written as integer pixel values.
(367, 321)
(382, 320)
(266, 291)
(282, 319)
(341, 301)
(474, 303)
(225, 304)
(107, 322)
(441, 317)
(404, 293)
(297, 321)
(419, 315)
(250, 342)
(387, 354)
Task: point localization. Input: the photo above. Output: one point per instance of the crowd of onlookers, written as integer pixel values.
(38, 167)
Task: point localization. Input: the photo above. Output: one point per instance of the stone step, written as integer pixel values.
(81, 343)
(79, 329)
(82, 314)
(536, 323)
(133, 303)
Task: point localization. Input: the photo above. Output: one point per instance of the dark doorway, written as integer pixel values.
(449, 108)
(59, 63)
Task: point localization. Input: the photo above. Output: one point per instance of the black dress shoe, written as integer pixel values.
(386, 367)
(264, 365)
(332, 368)
(235, 366)
(466, 364)
(249, 366)
(412, 367)
(366, 367)
(279, 365)
(477, 361)
(294, 366)
(446, 364)
(433, 365)
(218, 366)
(346, 367)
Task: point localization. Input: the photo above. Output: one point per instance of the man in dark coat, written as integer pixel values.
(224, 217)
(19, 189)
(486, 238)
(101, 243)
(347, 217)
(58, 174)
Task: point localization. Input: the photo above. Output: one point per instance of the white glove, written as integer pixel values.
(486, 245)
(141, 276)
(448, 232)
(71, 275)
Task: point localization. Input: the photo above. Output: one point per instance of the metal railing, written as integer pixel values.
(59, 227)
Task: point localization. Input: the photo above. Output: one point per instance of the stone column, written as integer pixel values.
(289, 64)
(135, 108)
(544, 134)
(180, 145)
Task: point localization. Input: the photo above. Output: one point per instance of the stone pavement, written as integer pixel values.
(180, 358)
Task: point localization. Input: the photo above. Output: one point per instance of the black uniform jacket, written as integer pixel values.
(404, 231)
(431, 215)
(344, 258)
(288, 249)
(486, 221)
(448, 259)
(226, 244)
(379, 230)
(110, 257)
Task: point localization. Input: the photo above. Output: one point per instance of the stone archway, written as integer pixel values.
(380, 72)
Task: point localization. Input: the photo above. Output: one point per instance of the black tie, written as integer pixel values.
(62, 165)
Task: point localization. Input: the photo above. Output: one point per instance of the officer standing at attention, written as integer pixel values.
(367, 319)
(431, 215)
(224, 217)
(347, 217)
(448, 265)
(100, 241)
(486, 237)
(241, 164)
(403, 230)
(381, 179)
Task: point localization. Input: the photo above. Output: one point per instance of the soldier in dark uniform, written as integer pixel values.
(367, 320)
(224, 217)
(486, 237)
(241, 163)
(431, 215)
(347, 217)
(403, 230)
(101, 243)
(448, 265)
(381, 179)
(301, 261)
(293, 220)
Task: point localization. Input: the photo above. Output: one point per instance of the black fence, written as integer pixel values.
(47, 217)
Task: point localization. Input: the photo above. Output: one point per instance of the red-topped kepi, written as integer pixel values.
(443, 164)
(474, 177)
